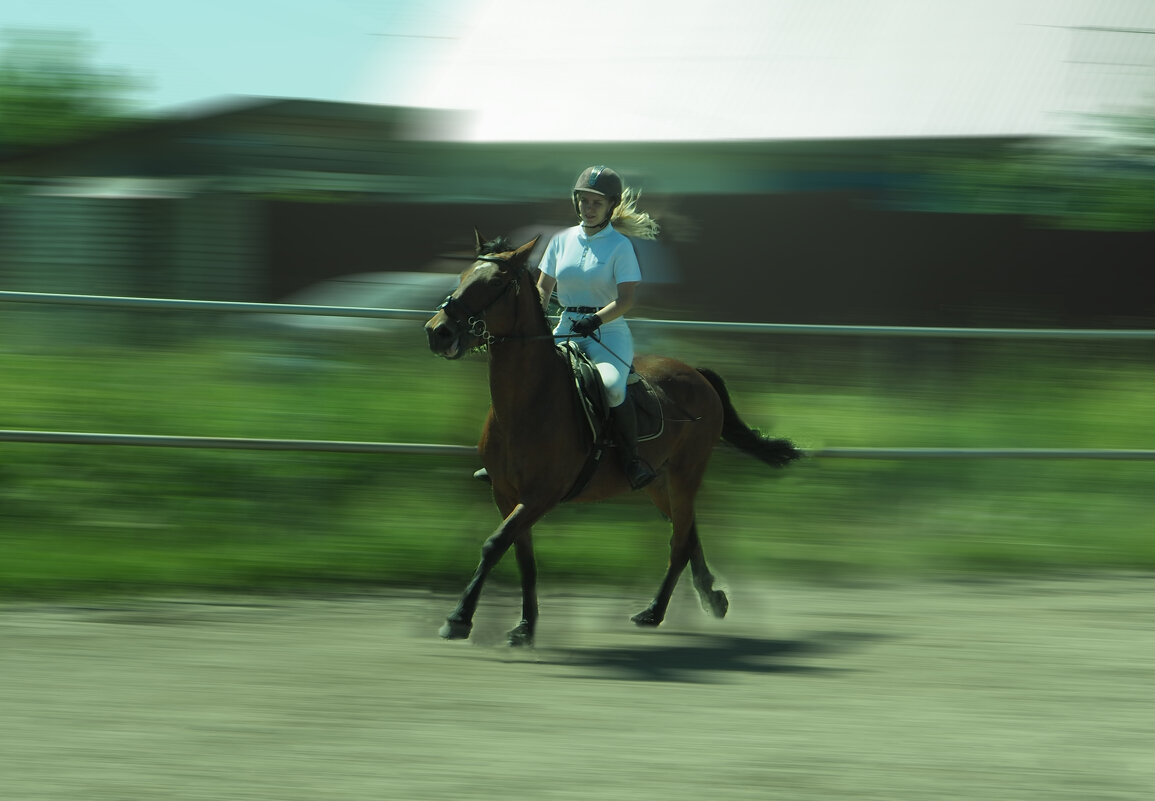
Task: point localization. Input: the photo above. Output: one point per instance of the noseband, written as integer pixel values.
(474, 321)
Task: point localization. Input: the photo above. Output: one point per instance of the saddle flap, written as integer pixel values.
(592, 394)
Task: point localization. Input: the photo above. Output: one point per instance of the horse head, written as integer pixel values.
(483, 308)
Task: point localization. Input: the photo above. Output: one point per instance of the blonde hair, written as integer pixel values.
(629, 220)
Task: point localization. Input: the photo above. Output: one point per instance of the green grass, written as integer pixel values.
(83, 519)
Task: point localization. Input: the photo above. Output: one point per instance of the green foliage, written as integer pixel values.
(51, 91)
(1103, 180)
(82, 519)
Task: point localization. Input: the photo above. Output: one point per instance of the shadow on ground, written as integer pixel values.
(707, 658)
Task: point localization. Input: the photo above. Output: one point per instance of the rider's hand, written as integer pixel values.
(586, 324)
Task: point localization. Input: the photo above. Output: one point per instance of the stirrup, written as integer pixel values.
(639, 473)
(483, 475)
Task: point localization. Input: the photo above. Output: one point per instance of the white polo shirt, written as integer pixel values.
(588, 269)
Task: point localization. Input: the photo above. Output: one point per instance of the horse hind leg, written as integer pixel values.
(675, 501)
(713, 600)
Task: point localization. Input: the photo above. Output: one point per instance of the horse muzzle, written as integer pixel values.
(445, 339)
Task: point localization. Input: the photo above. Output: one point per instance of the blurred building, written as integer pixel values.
(259, 199)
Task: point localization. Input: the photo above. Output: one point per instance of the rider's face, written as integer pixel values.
(593, 208)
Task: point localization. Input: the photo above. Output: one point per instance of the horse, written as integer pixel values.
(535, 440)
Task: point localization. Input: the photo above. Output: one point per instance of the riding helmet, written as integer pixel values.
(601, 181)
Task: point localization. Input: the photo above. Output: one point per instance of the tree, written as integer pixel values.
(51, 91)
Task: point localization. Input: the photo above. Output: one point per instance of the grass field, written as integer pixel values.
(82, 519)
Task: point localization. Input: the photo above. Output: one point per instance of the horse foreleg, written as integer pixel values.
(460, 621)
(518, 523)
(522, 634)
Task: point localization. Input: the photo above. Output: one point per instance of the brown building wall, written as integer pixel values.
(821, 258)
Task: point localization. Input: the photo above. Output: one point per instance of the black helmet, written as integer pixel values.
(601, 181)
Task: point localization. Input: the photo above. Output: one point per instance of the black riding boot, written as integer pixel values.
(625, 419)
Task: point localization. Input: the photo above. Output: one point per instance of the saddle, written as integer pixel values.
(591, 394)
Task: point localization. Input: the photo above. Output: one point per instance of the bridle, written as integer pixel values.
(473, 322)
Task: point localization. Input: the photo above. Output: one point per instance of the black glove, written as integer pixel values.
(586, 324)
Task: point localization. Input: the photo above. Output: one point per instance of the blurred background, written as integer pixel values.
(886, 163)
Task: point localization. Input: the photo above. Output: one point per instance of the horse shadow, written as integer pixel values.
(699, 658)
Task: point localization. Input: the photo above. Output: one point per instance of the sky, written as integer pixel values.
(642, 69)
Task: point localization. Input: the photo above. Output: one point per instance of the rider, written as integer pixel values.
(595, 271)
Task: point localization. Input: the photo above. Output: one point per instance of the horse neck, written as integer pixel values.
(525, 367)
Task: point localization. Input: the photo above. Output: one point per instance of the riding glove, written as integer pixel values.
(586, 324)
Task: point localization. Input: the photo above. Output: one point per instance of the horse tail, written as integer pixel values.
(774, 452)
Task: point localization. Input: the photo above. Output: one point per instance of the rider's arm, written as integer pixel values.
(627, 293)
(545, 285)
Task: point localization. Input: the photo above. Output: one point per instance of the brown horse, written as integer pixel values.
(535, 440)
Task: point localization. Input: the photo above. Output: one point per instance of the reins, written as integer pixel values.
(475, 324)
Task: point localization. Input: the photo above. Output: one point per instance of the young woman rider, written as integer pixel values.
(595, 271)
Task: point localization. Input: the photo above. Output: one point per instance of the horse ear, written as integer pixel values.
(479, 240)
(522, 253)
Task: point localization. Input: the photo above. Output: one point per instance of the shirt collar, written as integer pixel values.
(582, 231)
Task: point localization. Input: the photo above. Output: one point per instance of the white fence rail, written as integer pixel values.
(410, 314)
(341, 446)
(241, 443)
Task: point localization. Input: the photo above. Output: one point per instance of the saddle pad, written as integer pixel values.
(651, 416)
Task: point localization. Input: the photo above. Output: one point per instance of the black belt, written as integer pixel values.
(582, 309)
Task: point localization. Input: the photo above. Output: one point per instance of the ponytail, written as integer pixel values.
(629, 220)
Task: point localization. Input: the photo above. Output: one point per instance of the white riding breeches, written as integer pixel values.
(612, 349)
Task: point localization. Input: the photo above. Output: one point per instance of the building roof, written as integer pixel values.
(283, 146)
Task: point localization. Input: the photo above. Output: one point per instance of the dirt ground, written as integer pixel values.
(931, 691)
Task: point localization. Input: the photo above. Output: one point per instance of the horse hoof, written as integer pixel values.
(455, 630)
(647, 618)
(716, 603)
(522, 636)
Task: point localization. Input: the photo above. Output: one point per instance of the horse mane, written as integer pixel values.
(500, 244)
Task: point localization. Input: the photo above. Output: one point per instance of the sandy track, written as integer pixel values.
(1010, 690)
